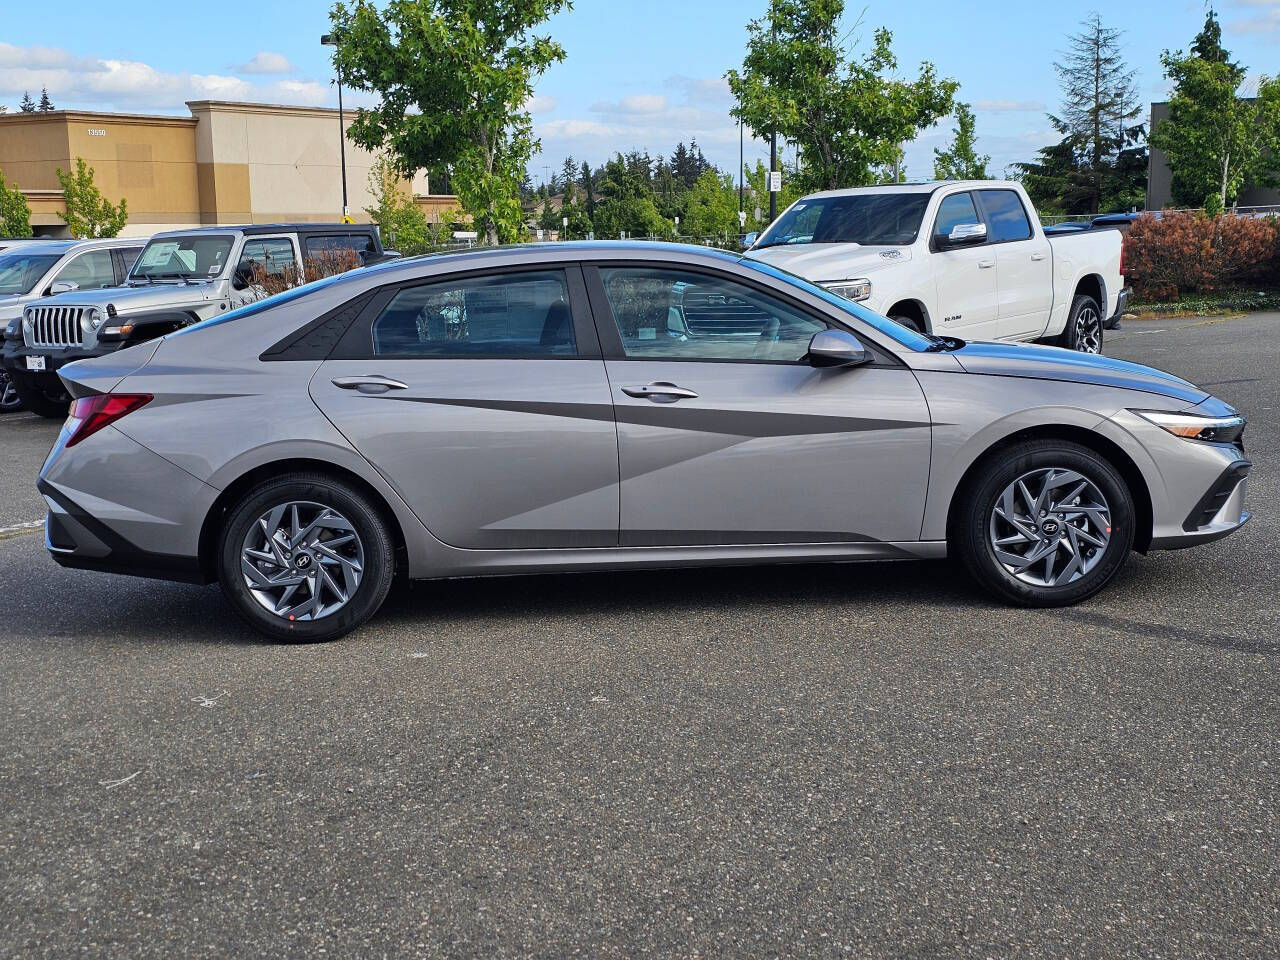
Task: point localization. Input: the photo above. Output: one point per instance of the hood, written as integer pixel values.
(823, 262)
(11, 306)
(129, 300)
(1055, 363)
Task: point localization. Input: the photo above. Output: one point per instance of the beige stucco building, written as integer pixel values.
(225, 163)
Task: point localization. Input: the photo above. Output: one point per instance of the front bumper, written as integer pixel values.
(16, 352)
(1218, 513)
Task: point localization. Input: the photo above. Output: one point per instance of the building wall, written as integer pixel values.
(1160, 177)
(226, 163)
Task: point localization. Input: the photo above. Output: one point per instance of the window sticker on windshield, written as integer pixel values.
(158, 253)
(216, 268)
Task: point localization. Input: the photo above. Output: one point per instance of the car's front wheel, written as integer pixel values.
(1046, 523)
(305, 558)
(9, 399)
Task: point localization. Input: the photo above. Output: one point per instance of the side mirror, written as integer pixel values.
(242, 277)
(750, 238)
(62, 286)
(965, 234)
(837, 348)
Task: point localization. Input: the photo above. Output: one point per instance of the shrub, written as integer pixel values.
(15, 214)
(1181, 253)
(326, 264)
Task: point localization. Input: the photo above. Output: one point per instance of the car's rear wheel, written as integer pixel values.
(305, 558)
(1044, 524)
(1084, 331)
(35, 399)
(9, 399)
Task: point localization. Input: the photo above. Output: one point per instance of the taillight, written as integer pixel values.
(88, 415)
(1123, 243)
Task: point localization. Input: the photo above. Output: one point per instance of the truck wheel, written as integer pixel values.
(35, 399)
(1084, 326)
(911, 323)
(9, 399)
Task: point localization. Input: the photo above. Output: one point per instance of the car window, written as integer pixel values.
(90, 271)
(196, 256)
(20, 272)
(361, 244)
(507, 315)
(273, 254)
(683, 315)
(953, 211)
(129, 256)
(1007, 219)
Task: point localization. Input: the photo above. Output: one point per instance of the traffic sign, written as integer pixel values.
(775, 181)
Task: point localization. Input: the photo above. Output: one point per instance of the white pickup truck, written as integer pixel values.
(964, 259)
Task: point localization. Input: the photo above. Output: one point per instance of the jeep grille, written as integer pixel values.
(56, 327)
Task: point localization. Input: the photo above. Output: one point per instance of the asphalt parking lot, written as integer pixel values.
(857, 760)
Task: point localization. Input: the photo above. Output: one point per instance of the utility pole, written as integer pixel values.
(329, 40)
(773, 165)
(740, 166)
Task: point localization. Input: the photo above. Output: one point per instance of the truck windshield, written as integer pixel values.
(183, 258)
(867, 218)
(20, 272)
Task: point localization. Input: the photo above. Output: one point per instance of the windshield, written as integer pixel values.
(890, 328)
(20, 272)
(183, 258)
(865, 218)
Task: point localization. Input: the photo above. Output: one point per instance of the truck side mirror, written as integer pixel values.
(62, 286)
(242, 277)
(965, 234)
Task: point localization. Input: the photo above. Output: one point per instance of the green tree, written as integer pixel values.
(849, 117)
(88, 213)
(403, 224)
(712, 206)
(757, 192)
(588, 192)
(960, 160)
(15, 214)
(1214, 139)
(453, 77)
(46, 105)
(626, 204)
(27, 105)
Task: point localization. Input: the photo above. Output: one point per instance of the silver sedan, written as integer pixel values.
(605, 405)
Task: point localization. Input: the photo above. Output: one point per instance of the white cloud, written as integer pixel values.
(266, 62)
(1009, 106)
(540, 104)
(77, 82)
(638, 104)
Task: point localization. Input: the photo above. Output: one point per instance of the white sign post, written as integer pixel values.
(742, 219)
(775, 181)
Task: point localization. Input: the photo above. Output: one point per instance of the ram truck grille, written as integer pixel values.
(56, 327)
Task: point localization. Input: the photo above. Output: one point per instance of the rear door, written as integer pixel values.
(482, 399)
(1024, 265)
(726, 434)
(965, 277)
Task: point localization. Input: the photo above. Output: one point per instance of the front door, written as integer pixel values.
(1024, 266)
(726, 435)
(965, 277)
(484, 403)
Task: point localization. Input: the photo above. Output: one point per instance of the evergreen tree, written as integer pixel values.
(568, 176)
(588, 192)
(27, 105)
(960, 161)
(46, 105)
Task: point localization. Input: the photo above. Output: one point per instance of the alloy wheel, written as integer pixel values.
(1050, 527)
(9, 399)
(1088, 331)
(302, 560)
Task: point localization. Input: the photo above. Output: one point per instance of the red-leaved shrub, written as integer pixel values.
(1179, 253)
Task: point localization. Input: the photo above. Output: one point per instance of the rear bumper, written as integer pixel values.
(1122, 304)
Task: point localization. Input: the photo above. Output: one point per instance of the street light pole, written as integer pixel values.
(740, 164)
(329, 40)
(773, 165)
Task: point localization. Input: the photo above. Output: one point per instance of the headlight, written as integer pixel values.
(92, 318)
(850, 289)
(1193, 426)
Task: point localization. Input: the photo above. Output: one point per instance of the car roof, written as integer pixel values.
(256, 229)
(46, 246)
(918, 186)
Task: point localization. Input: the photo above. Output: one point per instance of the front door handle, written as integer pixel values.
(369, 383)
(1037, 256)
(660, 392)
(986, 264)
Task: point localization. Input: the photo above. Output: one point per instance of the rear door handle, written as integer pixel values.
(660, 392)
(986, 264)
(369, 383)
(1037, 256)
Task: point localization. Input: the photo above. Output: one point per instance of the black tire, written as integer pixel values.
(35, 399)
(970, 534)
(10, 401)
(911, 323)
(1084, 331)
(374, 537)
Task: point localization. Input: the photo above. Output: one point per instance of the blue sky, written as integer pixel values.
(630, 81)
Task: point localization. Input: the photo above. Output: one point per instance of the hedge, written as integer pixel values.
(1176, 254)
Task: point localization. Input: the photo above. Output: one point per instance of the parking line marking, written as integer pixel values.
(20, 529)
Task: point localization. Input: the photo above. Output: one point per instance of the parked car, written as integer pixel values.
(966, 259)
(554, 407)
(31, 270)
(180, 278)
